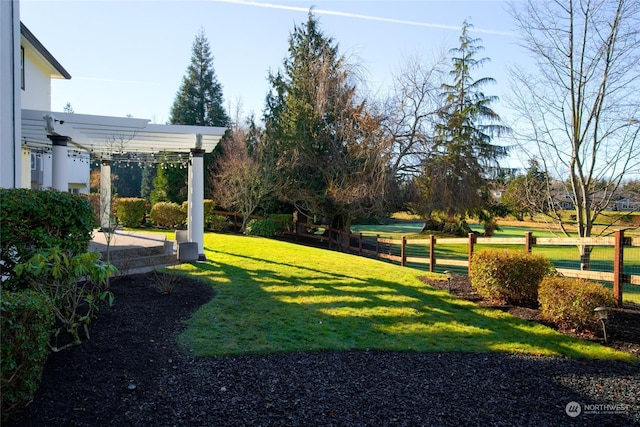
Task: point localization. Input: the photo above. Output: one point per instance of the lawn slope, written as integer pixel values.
(273, 296)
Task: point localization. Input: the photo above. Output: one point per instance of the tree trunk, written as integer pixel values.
(585, 257)
(340, 230)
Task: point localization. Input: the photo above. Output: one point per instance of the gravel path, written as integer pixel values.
(131, 373)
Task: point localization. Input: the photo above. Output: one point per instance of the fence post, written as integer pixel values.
(360, 245)
(618, 267)
(472, 241)
(528, 240)
(377, 245)
(403, 254)
(432, 252)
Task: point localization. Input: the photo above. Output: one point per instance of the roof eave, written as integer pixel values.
(28, 35)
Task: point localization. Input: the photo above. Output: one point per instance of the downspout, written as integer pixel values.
(13, 93)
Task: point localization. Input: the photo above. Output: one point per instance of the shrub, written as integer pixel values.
(512, 277)
(94, 200)
(26, 320)
(218, 223)
(131, 211)
(74, 284)
(37, 219)
(262, 227)
(209, 207)
(569, 303)
(167, 215)
(208, 211)
(284, 222)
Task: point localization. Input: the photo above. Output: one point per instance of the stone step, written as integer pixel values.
(134, 259)
(127, 266)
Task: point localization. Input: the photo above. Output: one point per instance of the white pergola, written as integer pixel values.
(107, 138)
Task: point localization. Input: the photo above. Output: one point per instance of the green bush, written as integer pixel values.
(209, 208)
(208, 211)
(284, 223)
(131, 211)
(511, 277)
(262, 227)
(74, 284)
(167, 215)
(218, 223)
(569, 303)
(38, 219)
(26, 321)
(94, 200)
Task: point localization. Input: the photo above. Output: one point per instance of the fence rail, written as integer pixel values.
(424, 250)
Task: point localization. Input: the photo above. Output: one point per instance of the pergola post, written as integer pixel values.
(105, 194)
(195, 220)
(60, 162)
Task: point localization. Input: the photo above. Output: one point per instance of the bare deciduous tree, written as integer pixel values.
(244, 175)
(578, 112)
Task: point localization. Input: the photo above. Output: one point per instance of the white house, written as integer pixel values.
(37, 68)
(10, 96)
(29, 87)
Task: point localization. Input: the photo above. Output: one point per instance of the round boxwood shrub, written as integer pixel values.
(569, 303)
(511, 277)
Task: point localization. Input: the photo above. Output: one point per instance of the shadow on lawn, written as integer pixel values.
(318, 310)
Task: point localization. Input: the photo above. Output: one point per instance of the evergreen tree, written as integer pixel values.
(148, 175)
(322, 137)
(129, 178)
(199, 101)
(457, 171)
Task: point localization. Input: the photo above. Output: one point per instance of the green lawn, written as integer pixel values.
(274, 296)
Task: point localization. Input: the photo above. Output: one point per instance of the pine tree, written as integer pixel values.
(321, 134)
(199, 101)
(457, 171)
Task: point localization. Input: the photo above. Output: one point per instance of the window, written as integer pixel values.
(22, 67)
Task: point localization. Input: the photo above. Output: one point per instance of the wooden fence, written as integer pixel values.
(397, 250)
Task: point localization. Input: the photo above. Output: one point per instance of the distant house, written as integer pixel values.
(626, 204)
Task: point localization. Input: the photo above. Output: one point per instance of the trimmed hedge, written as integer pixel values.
(131, 211)
(167, 215)
(26, 319)
(511, 277)
(39, 219)
(569, 303)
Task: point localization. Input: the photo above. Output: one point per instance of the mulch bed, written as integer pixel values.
(132, 373)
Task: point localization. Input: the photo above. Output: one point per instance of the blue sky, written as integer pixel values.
(129, 57)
